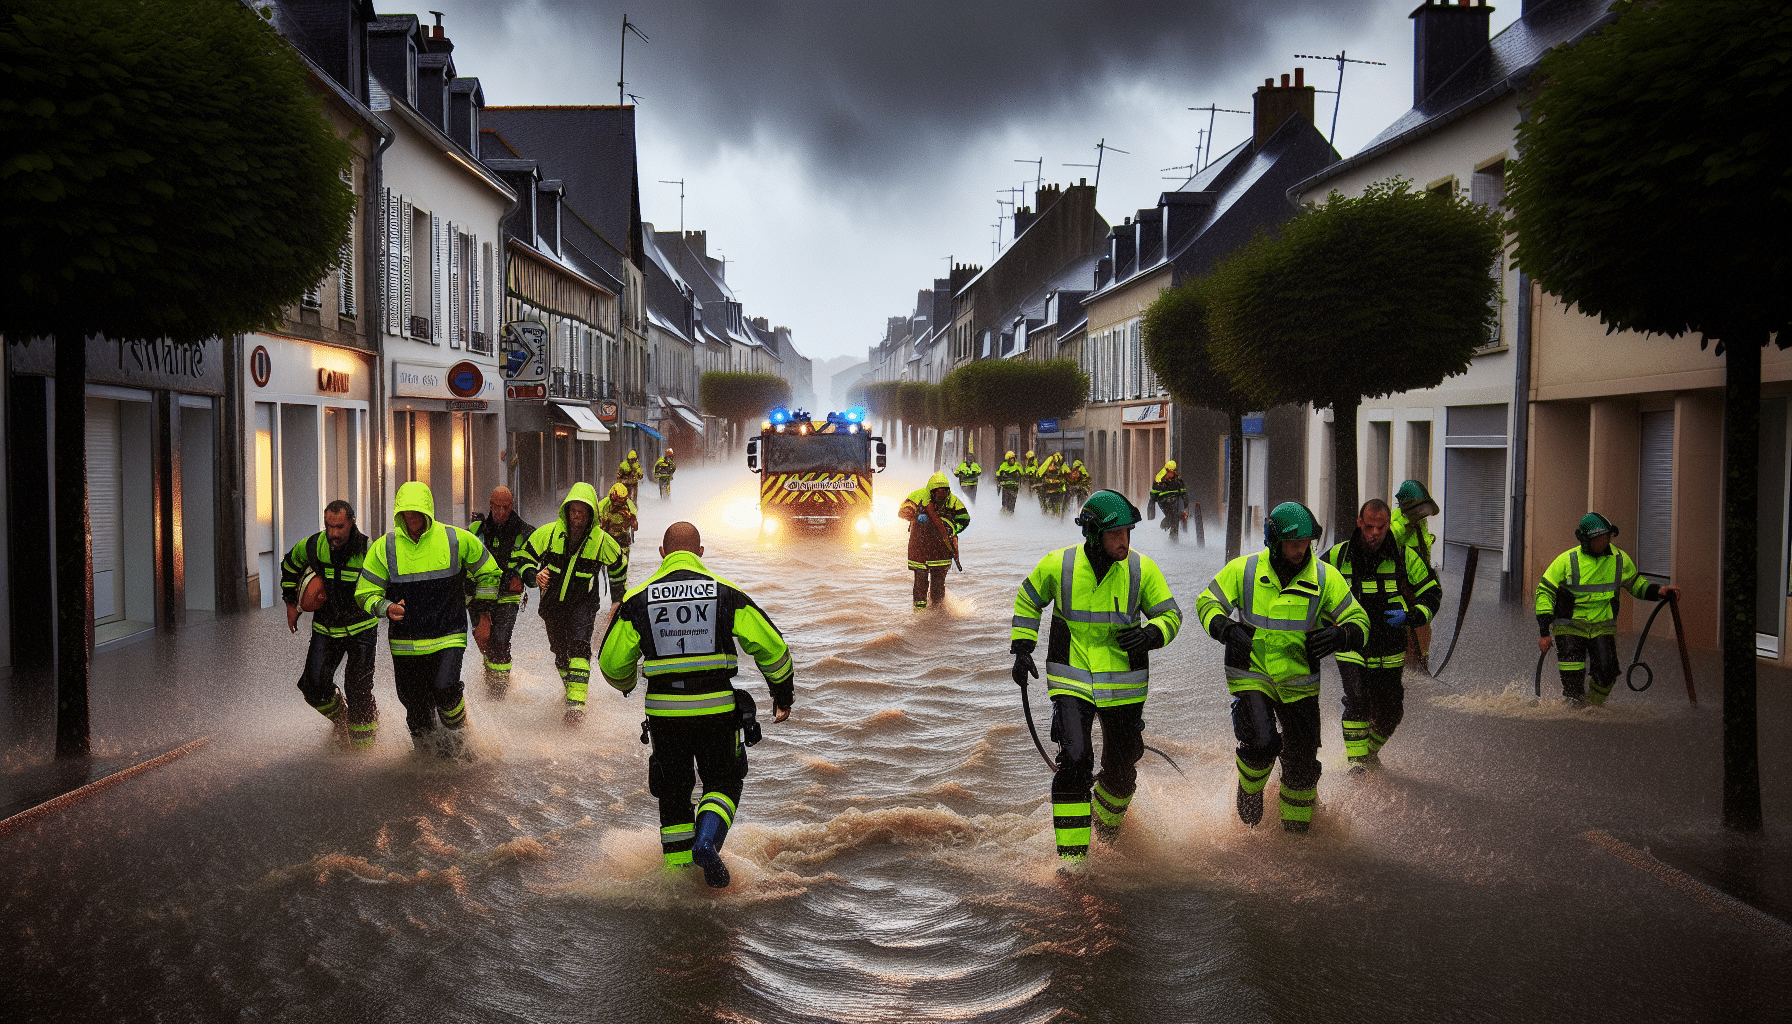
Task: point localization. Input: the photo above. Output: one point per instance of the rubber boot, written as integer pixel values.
(707, 853)
(1250, 792)
(497, 682)
(336, 710)
(1110, 811)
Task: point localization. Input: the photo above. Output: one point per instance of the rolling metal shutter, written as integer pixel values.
(1655, 497)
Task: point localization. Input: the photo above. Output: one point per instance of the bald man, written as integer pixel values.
(681, 629)
(502, 532)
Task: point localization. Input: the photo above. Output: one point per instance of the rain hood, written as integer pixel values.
(413, 496)
(580, 492)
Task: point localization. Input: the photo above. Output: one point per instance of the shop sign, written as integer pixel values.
(466, 406)
(465, 380)
(416, 380)
(1156, 412)
(195, 367)
(334, 382)
(261, 366)
(523, 351)
(526, 392)
(607, 411)
(1048, 426)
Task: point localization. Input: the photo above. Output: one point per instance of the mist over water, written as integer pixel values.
(893, 857)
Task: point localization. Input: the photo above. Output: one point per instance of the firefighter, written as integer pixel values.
(569, 559)
(629, 474)
(1292, 610)
(502, 532)
(1111, 608)
(683, 625)
(1030, 467)
(968, 473)
(1009, 476)
(1577, 601)
(936, 518)
(1051, 485)
(663, 468)
(1413, 504)
(339, 630)
(616, 516)
(414, 577)
(1397, 591)
(1077, 480)
(1170, 495)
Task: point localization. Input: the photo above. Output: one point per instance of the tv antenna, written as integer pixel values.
(1101, 149)
(1338, 93)
(1213, 112)
(1039, 172)
(680, 184)
(622, 61)
(1190, 168)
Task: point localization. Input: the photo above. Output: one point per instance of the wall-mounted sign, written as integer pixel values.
(523, 351)
(1048, 426)
(466, 406)
(465, 379)
(607, 411)
(526, 392)
(1253, 426)
(332, 381)
(1156, 412)
(261, 366)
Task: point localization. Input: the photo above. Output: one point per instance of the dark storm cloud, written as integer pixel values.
(861, 90)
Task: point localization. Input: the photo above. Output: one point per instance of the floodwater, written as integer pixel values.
(893, 858)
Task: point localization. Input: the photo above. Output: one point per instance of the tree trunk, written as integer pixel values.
(1742, 434)
(1344, 489)
(74, 548)
(1235, 485)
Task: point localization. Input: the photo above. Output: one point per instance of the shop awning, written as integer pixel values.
(649, 430)
(689, 416)
(585, 423)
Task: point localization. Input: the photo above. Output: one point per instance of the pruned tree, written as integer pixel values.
(1357, 297)
(1654, 192)
(1176, 339)
(880, 401)
(741, 397)
(911, 403)
(169, 174)
(996, 393)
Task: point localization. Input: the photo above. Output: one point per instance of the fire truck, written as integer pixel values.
(815, 473)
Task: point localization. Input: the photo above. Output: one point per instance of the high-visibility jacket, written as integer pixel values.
(1077, 476)
(1082, 658)
(340, 569)
(1010, 474)
(1282, 617)
(1168, 485)
(1051, 477)
(1380, 590)
(1412, 533)
(617, 518)
(1031, 469)
(629, 472)
(664, 468)
(426, 574)
(682, 627)
(1578, 594)
(505, 543)
(573, 575)
(968, 473)
(926, 547)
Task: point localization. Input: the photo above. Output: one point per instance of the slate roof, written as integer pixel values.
(1495, 71)
(591, 149)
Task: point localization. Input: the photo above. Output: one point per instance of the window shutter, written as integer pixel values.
(389, 260)
(314, 296)
(1475, 497)
(345, 272)
(1655, 498)
(452, 238)
(476, 294)
(407, 265)
(438, 272)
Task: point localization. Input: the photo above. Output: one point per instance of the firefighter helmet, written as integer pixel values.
(1289, 521)
(1415, 500)
(1106, 510)
(1010, 456)
(1594, 525)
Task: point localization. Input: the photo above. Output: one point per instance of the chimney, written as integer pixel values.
(438, 40)
(1444, 37)
(1274, 104)
(698, 241)
(1023, 219)
(1121, 243)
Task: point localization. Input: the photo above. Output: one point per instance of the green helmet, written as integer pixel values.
(1594, 525)
(1106, 510)
(1289, 521)
(1415, 500)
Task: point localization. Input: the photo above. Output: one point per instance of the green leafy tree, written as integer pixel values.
(997, 393)
(880, 401)
(1357, 297)
(1654, 191)
(912, 399)
(741, 398)
(1176, 338)
(168, 173)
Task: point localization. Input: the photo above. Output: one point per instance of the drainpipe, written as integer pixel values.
(1512, 581)
(377, 424)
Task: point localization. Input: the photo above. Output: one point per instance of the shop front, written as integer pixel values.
(446, 429)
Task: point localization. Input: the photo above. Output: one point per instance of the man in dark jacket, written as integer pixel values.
(502, 532)
(570, 559)
(935, 519)
(340, 629)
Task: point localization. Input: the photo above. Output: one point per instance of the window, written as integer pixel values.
(1487, 187)
(345, 264)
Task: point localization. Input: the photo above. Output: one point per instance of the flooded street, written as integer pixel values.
(893, 856)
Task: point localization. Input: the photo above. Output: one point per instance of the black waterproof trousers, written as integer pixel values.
(686, 749)
(318, 683)
(1080, 797)
(1255, 715)
(1576, 655)
(429, 687)
(1376, 696)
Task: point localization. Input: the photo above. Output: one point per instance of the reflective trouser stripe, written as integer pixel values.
(1571, 666)
(1108, 807)
(676, 842)
(341, 631)
(677, 705)
(1376, 741)
(456, 716)
(1071, 823)
(497, 666)
(719, 805)
(426, 645)
(1356, 738)
(1384, 661)
(577, 678)
(935, 563)
(1297, 804)
(361, 735)
(1252, 780)
(1598, 691)
(332, 707)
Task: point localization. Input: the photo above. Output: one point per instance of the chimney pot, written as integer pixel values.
(1300, 77)
(1284, 81)
(1269, 83)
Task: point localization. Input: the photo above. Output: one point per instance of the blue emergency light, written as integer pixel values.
(780, 415)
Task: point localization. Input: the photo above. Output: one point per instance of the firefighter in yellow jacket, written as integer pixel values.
(571, 560)
(682, 627)
(415, 576)
(1413, 505)
(1279, 611)
(1009, 476)
(1111, 607)
(935, 519)
(1577, 603)
(629, 474)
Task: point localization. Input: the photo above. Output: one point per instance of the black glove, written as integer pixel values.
(1326, 641)
(1140, 638)
(1023, 662)
(1237, 637)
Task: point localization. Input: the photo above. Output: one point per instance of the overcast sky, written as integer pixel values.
(838, 152)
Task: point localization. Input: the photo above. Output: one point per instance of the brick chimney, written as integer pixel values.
(1274, 104)
(1444, 37)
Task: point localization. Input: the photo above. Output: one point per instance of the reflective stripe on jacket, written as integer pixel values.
(1247, 589)
(426, 574)
(1082, 658)
(1379, 591)
(681, 628)
(1581, 590)
(340, 570)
